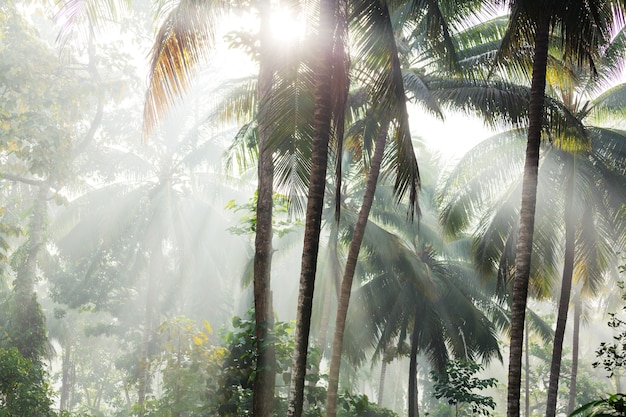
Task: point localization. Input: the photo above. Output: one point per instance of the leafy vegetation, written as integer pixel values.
(151, 236)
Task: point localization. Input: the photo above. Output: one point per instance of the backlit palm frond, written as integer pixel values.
(492, 239)
(609, 105)
(236, 101)
(183, 40)
(612, 63)
(291, 112)
(379, 69)
(582, 28)
(418, 91)
(83, 16)
(539, 326)
(496, 102)
(477, 181)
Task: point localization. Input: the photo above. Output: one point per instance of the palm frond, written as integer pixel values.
(182, 42)
(83, 16)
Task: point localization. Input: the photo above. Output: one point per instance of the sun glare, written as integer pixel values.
(287, 27)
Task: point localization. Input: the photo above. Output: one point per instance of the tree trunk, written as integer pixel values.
(317, 183)
(527, 370)
(265, 379)
(381, 383)
(571, 404)
(413, 393)
(332, 284)
(66, 377)
(566, 288)
(527, 216)
(348, 276)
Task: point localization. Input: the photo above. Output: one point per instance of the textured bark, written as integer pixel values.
(571, 404)
(527, 371)
(317, 184)
(566, 288)
(413, 393)
(527, 216)
(348, 276)
(381, 383)
(264, 382)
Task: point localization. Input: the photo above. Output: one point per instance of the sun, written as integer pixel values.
(287, 26)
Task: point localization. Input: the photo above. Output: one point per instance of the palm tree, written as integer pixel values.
(411, 292)
(584, 28)
(178, 49)
(330, 55)
(586, 172)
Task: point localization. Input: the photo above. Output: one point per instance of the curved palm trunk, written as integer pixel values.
(348, 276)
(575, 345)
(317, 183)
(264, 382)
(566, 288)
(413, 393)
(527, 216)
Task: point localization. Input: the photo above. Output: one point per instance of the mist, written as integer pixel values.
(131, 137)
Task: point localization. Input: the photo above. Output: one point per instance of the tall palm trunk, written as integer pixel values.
(413, 393)
(566, 288)
(527, 371)
(381, 383)
(575, 346)
(527, 215)
(348, 276)
(317, 183)
(264, 382)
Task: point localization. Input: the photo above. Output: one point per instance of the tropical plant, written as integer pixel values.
(23, 386)
(584, 29)
(456, 384)
(401, 297)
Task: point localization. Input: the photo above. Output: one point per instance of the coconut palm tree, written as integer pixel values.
(585, 172)
(410, 293)
(584, 28)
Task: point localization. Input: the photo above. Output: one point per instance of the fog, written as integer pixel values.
(127, 250)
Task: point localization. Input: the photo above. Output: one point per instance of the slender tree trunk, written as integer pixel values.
(527, 216)
(66, 380)
(566, 288)
(413, 393)
(264, 382)
(575, 347)
(348, 276)
(317, 184)
(381, 383)
(527, 370)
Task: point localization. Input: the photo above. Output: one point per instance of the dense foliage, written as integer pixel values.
(129, 213)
